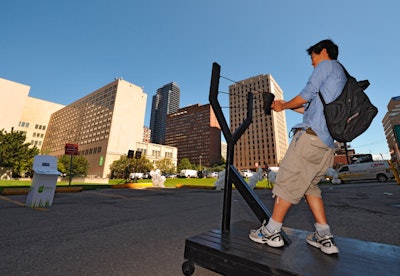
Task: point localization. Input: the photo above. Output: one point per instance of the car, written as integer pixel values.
(212, 174)
(170, 175)
(246, 173)
(136, 175)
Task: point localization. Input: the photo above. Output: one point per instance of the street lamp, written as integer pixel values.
(200, 162)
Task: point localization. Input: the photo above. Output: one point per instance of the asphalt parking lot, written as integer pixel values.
(143, 231)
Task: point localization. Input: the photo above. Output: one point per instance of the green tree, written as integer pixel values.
(122, 167)
(141, 165)
(15, 153)
(184, 164)
(119, 168)
(80, 165)
(165, 165)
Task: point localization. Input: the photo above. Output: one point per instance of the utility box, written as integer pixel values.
(44, 181)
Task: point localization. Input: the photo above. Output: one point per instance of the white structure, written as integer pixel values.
(44, 181)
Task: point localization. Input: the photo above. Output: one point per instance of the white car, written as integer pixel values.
(246, 173)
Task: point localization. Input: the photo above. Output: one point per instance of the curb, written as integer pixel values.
(25, 190)
(132, 186)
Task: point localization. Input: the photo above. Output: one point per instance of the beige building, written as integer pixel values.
(13, 96)
(26, 114)
(157, 152)
(105, 124)
(266, 139)
(35, 118)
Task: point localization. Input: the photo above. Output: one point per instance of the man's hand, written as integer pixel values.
(278, 105)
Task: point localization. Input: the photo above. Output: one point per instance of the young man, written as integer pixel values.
(310, 152)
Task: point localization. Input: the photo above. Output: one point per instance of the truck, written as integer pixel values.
(379, 170)
(188, 173)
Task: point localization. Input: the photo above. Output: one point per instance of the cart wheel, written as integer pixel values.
(187, 268)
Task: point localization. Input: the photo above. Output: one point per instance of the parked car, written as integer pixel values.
(212, 174)
(246, 173)
(136, 175)
(170, 175)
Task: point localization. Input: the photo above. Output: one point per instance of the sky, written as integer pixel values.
(66, 49)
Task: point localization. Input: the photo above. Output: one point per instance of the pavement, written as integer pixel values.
(143, 231)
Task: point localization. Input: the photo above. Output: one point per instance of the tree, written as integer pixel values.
(124, 166)
(165, 165)
(119, 168)
(80, 165)
(15, 153)
(185, 164)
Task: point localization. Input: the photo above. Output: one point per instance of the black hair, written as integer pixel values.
(331, 48)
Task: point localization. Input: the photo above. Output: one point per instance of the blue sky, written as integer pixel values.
(65, 49)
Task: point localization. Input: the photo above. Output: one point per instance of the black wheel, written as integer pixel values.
(381, 177)
(187, 268)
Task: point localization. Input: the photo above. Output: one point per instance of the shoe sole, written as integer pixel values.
(326, 250)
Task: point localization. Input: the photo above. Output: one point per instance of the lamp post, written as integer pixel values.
(200, 162)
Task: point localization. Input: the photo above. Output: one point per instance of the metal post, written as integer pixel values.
(70, 171)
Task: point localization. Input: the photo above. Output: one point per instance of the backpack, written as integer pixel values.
(351, 113)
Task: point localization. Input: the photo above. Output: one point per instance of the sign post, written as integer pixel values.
(71, 149)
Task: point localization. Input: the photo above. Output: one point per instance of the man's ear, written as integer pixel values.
(325, 54)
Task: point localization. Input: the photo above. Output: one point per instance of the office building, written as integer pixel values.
(195, 131)
(35, 119)
(13, 96)
(20, 112)
(105, 124)
(391, 126)
(157, 152)
(265, 142)
(165, 102)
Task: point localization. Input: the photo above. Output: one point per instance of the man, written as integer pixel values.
(310, 152)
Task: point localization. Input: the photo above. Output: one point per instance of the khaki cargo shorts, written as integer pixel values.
(302, 168)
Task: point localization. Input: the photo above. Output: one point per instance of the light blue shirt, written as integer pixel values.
(329, 78)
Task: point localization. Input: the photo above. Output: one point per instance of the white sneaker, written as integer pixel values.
(262, 235)
(326, 243)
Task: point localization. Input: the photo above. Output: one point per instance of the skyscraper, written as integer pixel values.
(195, 131)
(391, 126)
(266, 140)
(165, 102)
(105, 124)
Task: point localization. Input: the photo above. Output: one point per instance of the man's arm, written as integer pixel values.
(296, 104)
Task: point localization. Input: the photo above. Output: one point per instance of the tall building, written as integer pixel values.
(20, 112)
(35, 118)
(105, 124)
(165, 102)
(265, 142)
(195, 131)
(391, 126)
(13, 96)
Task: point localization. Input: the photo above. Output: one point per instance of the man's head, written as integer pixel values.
(325, 49)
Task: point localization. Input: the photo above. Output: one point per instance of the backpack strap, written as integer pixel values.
(347, 76)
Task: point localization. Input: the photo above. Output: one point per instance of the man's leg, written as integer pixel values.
(317, 208)
(281, 207)
(322, 238)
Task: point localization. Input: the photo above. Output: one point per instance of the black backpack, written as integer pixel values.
(351, 113)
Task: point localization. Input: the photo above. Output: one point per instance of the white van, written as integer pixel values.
(379, 170)
(188, 173)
